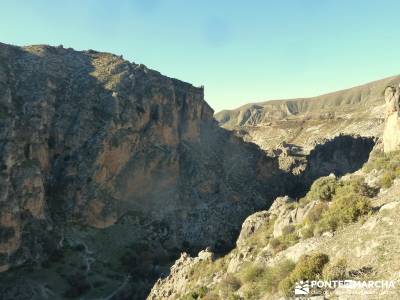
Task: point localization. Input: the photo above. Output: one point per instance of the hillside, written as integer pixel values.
(343, 229)
(305, 122)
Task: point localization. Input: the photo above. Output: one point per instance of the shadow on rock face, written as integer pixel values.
(340, 155)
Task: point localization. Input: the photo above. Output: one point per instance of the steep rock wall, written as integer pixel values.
(391, 134)
(91, 139)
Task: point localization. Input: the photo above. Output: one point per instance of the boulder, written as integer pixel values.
(251, 224)
(287, 213)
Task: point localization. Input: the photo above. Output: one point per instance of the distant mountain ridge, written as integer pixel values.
(305, 121)
(369, 93)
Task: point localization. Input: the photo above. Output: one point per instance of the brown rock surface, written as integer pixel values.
(391, 134)
(99, 151)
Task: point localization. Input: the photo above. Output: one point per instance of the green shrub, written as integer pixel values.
(386, 180)
(336, 271)
(286, 286)
(309, 267)
(198, 294)
(307, 231)
(349, 202)
(272, 276)
(264, 280)
(345, 209)
(251, 273)
(323, 189)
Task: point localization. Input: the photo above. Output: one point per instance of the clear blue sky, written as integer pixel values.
(242, 51)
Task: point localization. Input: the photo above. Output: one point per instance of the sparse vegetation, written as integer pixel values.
(345, 209)
(362, 188)
(208, 268)
(251, 273)
(340, 202)
(258, 281)
(315, 213)
(287, 239)
(230, 283)
(288, 229)
(307, 231)
(263, 235)
(336, 271)
(200, 293)
(386, 163)
(309, 267)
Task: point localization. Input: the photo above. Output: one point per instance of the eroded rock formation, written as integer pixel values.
(391, 135)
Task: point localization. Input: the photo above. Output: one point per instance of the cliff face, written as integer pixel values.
(93, 143)
(391, 138)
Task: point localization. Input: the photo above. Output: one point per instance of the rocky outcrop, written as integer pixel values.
(252, 224)
(178, 279)
(391, 134)
(285, 215)
(92, 141)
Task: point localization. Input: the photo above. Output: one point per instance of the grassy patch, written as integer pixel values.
(262, 235)
(307, 231)
(387, 163)
(309, 267)
(336, 271)
(257, 281)
(284, 241)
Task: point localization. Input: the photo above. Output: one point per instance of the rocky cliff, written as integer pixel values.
(118, 161)
(391, 136)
